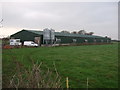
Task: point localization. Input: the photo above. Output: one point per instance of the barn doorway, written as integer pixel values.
(38, 40)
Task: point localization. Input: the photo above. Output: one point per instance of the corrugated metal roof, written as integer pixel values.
(66, 34)
(36, 32)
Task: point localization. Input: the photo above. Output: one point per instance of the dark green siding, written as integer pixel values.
(65, 40)
(90, 40)
(25, 36)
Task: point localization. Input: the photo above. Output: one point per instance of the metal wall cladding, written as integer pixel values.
(52, 32)
(25, 36)
(46, 34)
(65, 40)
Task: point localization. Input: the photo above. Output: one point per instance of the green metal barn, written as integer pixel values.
(60, 38)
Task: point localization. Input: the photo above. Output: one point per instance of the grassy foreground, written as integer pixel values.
(98, 63)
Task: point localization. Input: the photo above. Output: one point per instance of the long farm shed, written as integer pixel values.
(61, 38)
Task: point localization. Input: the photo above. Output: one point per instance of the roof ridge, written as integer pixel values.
(65, 34)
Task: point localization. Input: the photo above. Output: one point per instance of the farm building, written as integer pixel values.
(43, 37)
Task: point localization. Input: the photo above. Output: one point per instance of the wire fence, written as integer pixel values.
(37, 77)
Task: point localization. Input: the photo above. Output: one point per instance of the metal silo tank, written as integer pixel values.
(52, 34)
(46, 34)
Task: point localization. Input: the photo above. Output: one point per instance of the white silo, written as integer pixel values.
(52, 32)
(48, 36)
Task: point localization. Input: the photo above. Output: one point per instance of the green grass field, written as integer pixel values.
(97, 62)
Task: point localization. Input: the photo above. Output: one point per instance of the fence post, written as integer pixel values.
(87, 83)
(67, 82)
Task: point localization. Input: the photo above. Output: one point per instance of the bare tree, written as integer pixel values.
(90, 33)
(74, 32)
(64, 31)
(82, 32)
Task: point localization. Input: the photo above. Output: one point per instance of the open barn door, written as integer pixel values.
(38, 40)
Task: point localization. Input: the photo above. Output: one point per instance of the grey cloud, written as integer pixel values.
(98, 17)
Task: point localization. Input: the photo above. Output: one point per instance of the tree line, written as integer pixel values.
(82, 32)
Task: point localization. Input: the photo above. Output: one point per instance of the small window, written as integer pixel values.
(74, 40)
(17, 40)
(86, 40)
(11, 41)
(58, 40)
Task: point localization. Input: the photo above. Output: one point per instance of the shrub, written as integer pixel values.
(35, 77)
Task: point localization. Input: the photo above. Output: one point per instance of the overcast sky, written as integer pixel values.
(98, 17)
